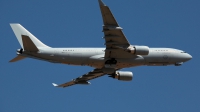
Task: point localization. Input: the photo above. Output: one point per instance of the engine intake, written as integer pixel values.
(122, 75)
(139, 50)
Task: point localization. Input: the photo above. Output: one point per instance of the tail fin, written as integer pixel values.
(27, 41)
(25, 38)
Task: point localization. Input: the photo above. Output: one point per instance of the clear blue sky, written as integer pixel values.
(26, 85)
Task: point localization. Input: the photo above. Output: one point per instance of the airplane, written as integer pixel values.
(117, 54)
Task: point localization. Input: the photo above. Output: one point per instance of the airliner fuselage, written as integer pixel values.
(94, 57)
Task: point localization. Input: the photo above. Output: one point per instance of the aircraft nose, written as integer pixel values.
(188, 57)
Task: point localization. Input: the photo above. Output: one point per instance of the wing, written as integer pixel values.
(83, 79)
(115, 40)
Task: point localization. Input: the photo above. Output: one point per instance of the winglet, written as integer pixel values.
(55, 85)
(101, 3)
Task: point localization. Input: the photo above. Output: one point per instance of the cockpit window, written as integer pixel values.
(183, 52)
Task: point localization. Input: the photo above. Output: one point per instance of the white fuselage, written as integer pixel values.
(95, 57)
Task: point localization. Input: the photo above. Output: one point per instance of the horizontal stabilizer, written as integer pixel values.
(17, 58)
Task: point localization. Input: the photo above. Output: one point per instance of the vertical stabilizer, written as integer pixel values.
(20, 31)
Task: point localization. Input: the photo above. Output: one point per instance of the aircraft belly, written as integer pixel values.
(96, 61)
(80, 59)
(130, 62)
(49, 54)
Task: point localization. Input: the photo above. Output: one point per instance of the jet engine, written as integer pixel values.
(138, 50)
(122, 75)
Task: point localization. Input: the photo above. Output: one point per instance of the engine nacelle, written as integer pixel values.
(123, 75)
(139, 50)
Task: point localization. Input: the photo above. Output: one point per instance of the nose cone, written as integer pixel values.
(188, 57)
